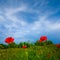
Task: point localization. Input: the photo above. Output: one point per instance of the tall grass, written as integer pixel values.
(32, 53)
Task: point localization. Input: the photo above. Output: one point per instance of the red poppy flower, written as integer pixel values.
(9, 40)
(43, 38)
(58, 45)
(24, 46)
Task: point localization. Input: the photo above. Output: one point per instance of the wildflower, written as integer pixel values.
(43, 38)
(58, 45)
(9, 40)
(24, 46)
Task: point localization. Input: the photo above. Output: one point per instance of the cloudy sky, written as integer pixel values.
(28, 20)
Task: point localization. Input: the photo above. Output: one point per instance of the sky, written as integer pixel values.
(28, 20)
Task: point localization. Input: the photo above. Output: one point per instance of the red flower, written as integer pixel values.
(9, 40)
(43, 38)
(24, 46)
(58, 45)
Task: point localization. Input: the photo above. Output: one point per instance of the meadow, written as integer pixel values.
(49, 52)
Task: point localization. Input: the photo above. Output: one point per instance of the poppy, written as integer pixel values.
(24, 46)
(43, 38)
(9, 40)
(58, 45)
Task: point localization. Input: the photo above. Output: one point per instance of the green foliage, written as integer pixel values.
(48, 42)
(20, 44)
(37, 43)
(6, 46)
(33, 53)
(43, 53)
(1, 46)
(24, 43)
(13, 45)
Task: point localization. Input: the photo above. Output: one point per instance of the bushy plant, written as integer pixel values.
(6, 46)
(48, 42)
(37, 43)
(20, 44)
(12, 45)
(1, 46)
(25, 44)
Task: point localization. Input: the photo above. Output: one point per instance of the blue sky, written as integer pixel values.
(29, 20)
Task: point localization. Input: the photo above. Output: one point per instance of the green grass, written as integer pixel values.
(33, 53)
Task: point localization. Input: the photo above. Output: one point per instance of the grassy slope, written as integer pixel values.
(32, 53)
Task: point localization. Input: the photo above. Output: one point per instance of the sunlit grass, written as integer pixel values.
(33, 53)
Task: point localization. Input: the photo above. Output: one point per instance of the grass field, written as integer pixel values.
(33, 53)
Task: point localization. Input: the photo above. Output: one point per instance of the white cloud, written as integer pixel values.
(20, 28)
(36, 28)
(54, 26)
(1, 18)
(14, 21)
